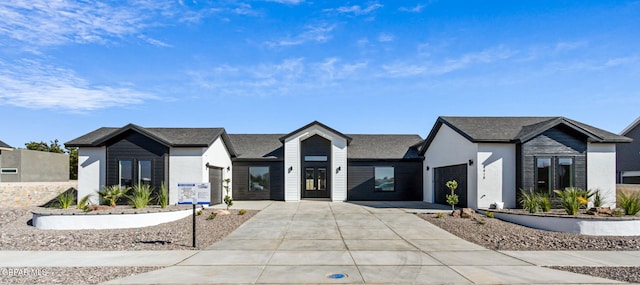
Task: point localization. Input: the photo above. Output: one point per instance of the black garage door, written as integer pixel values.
(215, 179)
(448, 173)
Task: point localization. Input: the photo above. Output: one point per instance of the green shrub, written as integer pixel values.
(452, 199)
(84, 203)
(440, 215)
(529, 201)
(111, 194)
(227, 199)
(618, 212)
(66, 199)
(141, 196)
(199, 212)
(544, 201)
(571, 199)
(212, 216)
(242, 212)
(630, 202)
(489, 215)
(598, 200)
(163, 196)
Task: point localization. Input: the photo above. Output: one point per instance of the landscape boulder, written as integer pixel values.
(467, 213)
(456, 213)
(600, 211)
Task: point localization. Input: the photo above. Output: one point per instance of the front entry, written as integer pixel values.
(315, 183)
(316, 162)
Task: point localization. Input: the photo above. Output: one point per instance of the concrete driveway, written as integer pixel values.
(324, 242)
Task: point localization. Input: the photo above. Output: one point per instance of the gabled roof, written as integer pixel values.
(516, 129)
(169, 137)
(315, 123)
(630, 127)
(269, 146)
(4, 145)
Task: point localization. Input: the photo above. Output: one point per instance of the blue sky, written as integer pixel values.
(67, 68)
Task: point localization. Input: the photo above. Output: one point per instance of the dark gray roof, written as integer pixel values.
(174, 137)
(257, 146)
(516, 129)
(4, 145)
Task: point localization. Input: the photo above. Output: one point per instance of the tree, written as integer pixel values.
(54, 146)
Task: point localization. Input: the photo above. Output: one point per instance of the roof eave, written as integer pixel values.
(283, 138)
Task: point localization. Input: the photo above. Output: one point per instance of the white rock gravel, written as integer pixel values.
(497, 234)
(17, 234)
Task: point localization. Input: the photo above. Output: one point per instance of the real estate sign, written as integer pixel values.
(194, 193)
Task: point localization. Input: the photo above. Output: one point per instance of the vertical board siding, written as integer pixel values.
(448, 173)
(361, 184)
(628, 155)
(240, 184)
(135, 147)
(556, 142)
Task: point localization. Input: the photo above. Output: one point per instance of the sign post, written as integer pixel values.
(194, 194)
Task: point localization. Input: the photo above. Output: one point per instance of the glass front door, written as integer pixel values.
(315, 182)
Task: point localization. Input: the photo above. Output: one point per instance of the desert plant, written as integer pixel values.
(452, 199)
(571, 199)
(66, 199)
(141, 196)
(163, 196)
(598, 200)
(242, 212)
(440, 215)
(212, 216)
(489, 215)
(111, 194)
(84, 203)
(630, 202)
(529, 201)
(618, 212)
(227, 199)
(544, 202)
(199, 212)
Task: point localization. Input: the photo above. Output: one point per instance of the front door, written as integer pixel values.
(315, 183)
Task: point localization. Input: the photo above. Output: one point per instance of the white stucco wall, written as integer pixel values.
(92, 171)
(450, 148)
(185, 165)
(601, 170)
(218, 156)
(496, 174)
(293, 160)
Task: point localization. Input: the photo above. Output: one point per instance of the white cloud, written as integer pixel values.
(289, 2)
(357, 10)
(290, 76)
(314, 33)
(385, 37)
(34, 85)
(416, 9)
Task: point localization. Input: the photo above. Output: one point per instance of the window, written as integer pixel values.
(384, 179)
(259, 178)
(315, 158)
(9, 171)
(125, 173)
(554, 173)
(144, 172)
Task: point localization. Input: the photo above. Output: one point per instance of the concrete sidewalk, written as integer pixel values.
(323, 242)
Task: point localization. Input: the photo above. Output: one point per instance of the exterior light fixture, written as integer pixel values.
(428, 168)
(470, 162)
(228, 168)
(290, 169)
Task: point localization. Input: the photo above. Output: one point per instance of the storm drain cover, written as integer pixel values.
(337, 276)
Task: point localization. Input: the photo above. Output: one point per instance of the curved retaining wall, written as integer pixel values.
(585, 226)
(105, 221)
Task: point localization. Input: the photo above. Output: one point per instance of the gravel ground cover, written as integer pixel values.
(497, 234)
(67, 275)
(17, 234)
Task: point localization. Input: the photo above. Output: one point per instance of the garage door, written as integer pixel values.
(215, 179)
(448, 173)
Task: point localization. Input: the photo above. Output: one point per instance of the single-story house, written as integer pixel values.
(490, 158)
(314, 161)
(628, 155)
(23, 165)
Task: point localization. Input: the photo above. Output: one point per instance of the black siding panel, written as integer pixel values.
(240, 187)
(628, 155)
(134, 146)
(408, 181)
(555, 142)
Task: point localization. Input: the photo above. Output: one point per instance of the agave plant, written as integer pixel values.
(529, 201)
(66, 199)
(571, 199)
(84, 203)
(163, 196)
(630, 202)
(111, 194)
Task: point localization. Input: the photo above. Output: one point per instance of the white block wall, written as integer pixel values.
(92, 171)
(601, 170)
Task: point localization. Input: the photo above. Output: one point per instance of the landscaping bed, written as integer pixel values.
(17, 234)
